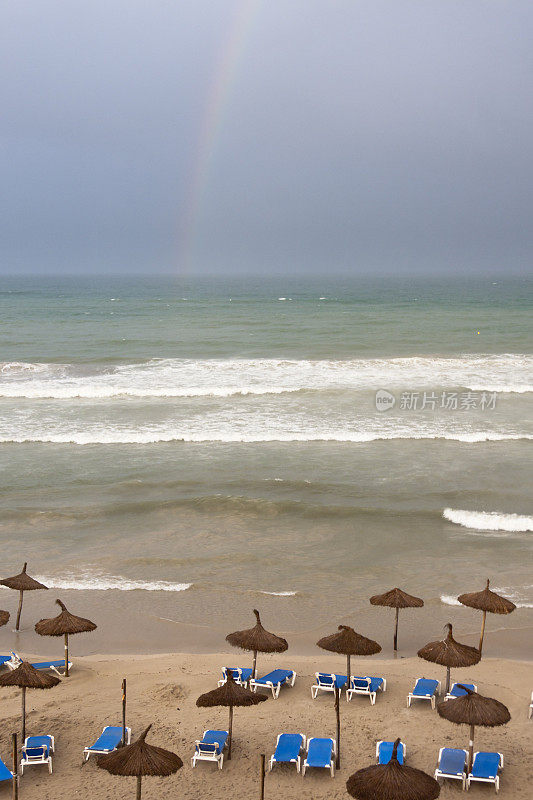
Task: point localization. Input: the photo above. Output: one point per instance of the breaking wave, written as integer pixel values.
(489, 520)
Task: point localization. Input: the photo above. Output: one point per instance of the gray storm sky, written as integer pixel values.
(212, 136)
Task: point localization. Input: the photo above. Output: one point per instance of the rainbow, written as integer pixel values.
(217, 98)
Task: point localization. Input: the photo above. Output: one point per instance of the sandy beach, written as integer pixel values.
(162, 690)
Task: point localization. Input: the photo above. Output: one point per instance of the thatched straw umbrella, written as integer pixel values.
(396, 598)
(392, 781)
(4, 618)
(474, 709)
(22, 583)
(450, 654)
(349, 643)
(486, 601)
(230, 695)
(258, 640)
(65, 624)
(27, 677)
(139, 760)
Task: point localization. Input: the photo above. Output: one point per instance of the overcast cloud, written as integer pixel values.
(245, 136)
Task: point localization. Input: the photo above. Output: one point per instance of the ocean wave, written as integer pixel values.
(508, 373)
(109, 436)
(279, 594)
(489, 520)
(88, 582)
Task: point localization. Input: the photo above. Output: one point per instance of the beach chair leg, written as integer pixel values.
(497, 784)
(433, 702)
(221, 761)
(332, 769)
(303, 770)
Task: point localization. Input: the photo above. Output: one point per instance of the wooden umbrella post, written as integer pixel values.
(471, 749)
(254, 668)
(19, 612)
(230, 731)
(262, 778)
(66, 655)
(447, 679)
(396, 630)
(123, 712)
(23, 714)
(482, 631)
(348, 670)
(139, 787)
(15, 768)
(338, 715)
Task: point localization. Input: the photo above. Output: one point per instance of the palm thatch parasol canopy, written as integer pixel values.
(349, 643)
(65, 624)
(4, 618)
(27, 677)
(22, 583)
(140, 760)
(486, 601)
(396, 598)
(230, 694)
(474, 709)
(450, 654)
(392, 781)
(258, 640)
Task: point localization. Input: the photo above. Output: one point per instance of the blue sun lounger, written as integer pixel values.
(425, 689)
(109, 740)
(452, 764)
(321, 754)
(274, 681)
(327, 682)
(4, 660)
(384, 752)
(37, 750)
(241, 675)
(15, 661)
(288, 748)
(5, 773)
(367, 686)
(485, 768)
(211, 748)
(455, 691)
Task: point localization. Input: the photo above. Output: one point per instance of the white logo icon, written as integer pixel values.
(384, 400)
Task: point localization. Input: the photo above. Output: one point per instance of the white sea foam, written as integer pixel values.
(449, 600)
(98, 582)
(489, 520)
(280, 594)
(517, 599)
(507, 373)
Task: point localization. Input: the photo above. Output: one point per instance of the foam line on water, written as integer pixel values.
(105, 582)
(489, 520)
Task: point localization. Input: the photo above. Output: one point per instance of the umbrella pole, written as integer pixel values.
(338, 714)
(482, 631)
(254, 673)
(123, 712)
(23, 714)
(447, 679)
(471, 749)
(66, 655)
(19, 612)
(15, 768)
(396, 631)
(348, 669)
(262, 784)
(138, 795)
(230, 731)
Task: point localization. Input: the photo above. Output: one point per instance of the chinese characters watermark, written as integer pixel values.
(435, 401)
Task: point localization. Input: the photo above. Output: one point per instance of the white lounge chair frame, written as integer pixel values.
(495, 781)
(15, 661)
(402, 744)
(364, 691)
(88, 751)
(211, 755)
(451, 696)
(432, 698)
(274, 687)
(297, 761)
(237, 678)
(531, 707)
(323, 687)
(333, 757)
(30, 761)
(440, 774)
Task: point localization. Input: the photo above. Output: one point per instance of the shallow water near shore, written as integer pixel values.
(174, 455)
